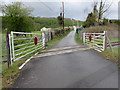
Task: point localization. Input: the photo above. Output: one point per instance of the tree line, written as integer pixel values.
(96, 17)
(18, 17)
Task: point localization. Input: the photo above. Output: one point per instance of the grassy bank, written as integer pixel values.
(52, 22)
(112, 56)
(9, 75)
(77, 39)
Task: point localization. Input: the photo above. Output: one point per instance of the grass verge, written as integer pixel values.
(9, 75)
(77, 39)
(112, 56)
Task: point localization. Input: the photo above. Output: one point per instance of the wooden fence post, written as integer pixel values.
(8, 49)
(109, 42)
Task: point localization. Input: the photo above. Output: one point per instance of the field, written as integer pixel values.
(52, 22)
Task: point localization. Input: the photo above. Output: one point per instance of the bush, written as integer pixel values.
(105, 21)
(17, 17)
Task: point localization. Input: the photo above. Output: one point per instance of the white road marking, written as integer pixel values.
(26, 61)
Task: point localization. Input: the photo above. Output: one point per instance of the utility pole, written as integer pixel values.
(72, 21)
(63, 13)
(60, 11)
(77, 24)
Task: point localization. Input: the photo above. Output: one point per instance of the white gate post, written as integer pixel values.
(13, 52)
(84, 37)
(43, 38)
(10, 49)
(74, 28)
(93, 40)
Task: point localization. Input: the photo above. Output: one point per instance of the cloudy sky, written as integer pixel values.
(76, 9)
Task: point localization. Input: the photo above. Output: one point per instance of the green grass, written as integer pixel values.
(114, 39)
(112, 56)
(3, 54)
(52, 22)
(78, 40)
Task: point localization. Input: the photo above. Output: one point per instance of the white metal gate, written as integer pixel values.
(95, 40)
(23, 44)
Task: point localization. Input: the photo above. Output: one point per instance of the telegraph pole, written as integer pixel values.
(63, 13)
(72, 21)
(77, 24)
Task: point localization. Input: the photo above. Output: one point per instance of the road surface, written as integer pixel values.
(81, 69)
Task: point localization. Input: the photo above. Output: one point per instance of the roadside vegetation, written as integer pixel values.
(41, 22)
(112, 56)
(16, 17)
(77, 39)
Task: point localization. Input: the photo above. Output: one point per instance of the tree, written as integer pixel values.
(105, 21)
(60, 20)
(17, 17)
(95, 12)
(103, 7)
(90, 21)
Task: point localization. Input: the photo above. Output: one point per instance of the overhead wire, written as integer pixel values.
(48, 7)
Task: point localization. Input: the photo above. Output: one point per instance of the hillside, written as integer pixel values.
(52, 22)
(40, 22)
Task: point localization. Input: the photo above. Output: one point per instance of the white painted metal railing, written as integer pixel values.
(97, 41)
(22, 44)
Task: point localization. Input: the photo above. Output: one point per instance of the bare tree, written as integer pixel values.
(95, 11)
(103, 7)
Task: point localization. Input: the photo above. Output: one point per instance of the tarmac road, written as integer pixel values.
(81, 69)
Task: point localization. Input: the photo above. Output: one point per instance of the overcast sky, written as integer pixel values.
(73, 8)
